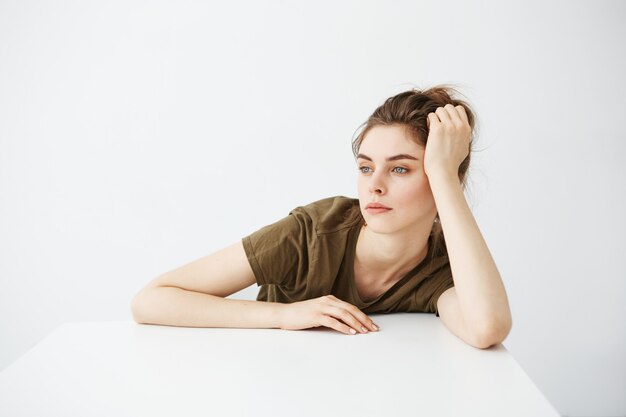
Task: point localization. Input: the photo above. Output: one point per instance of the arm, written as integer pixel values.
(192, 295)
(476, 309)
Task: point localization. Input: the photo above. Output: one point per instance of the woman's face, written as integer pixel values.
(391, 172)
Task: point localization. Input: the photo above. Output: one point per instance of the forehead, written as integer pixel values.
(390, 140)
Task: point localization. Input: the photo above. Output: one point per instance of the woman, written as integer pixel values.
(409, 243)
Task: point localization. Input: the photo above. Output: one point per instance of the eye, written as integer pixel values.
(400, 172)
(364, 170)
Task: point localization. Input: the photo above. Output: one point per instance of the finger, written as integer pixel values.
(328, 321)
(462, 113)
(432, 120)
(362, 317)
(454, 114)
(358, 314)
(443, 115)
(344, 315)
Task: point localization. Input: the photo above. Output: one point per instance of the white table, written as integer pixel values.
(412, 366)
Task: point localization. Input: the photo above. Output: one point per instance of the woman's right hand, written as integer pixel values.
(327, 311)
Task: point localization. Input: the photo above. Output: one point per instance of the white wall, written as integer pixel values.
(136, 136)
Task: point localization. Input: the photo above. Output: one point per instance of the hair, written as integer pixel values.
(411, 109)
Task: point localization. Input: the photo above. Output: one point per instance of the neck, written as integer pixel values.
(390, 256)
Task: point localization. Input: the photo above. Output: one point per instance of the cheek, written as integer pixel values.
(416, 194)
(360, 186)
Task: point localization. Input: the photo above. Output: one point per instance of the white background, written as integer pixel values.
(137, 136)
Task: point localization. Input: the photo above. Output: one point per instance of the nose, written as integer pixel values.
(376, 185)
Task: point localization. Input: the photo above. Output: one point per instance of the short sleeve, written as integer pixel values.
(444, 282)
(278, 252)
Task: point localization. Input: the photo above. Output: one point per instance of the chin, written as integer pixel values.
(381, 226)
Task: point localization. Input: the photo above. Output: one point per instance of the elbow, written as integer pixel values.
(137, 308)
(491, 334)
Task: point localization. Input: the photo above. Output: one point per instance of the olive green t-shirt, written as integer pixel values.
(310, 253)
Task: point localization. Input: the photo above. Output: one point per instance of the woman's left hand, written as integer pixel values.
(448, 140)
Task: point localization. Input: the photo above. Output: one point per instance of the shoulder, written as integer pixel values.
(331, 214)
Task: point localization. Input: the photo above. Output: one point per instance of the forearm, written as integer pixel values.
(175, 306)
(480, 291)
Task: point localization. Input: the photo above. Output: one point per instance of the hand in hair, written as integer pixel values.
(326, 311)
(448, 140)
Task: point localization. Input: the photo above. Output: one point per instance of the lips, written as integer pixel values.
(377, 206)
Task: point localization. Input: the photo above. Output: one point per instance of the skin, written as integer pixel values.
(395, 241)
(475, 309)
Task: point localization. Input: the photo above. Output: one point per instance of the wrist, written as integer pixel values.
(278, 314)
(442, 175)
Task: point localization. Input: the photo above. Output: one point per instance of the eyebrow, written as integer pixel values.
(391, 158)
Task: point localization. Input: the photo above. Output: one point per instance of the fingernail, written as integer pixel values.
(364, 329)
(375, 327)
(352, 331)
